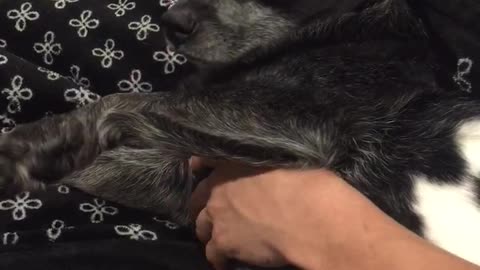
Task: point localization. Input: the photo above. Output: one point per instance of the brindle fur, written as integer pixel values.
(353, 93)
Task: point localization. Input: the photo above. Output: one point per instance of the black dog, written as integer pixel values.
(286, 87)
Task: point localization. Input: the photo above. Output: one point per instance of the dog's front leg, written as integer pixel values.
(158, 178)
(47, 150)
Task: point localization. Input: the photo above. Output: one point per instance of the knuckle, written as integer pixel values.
(218, 241)
(224, 245)
(214, 204)
(213, 209)
(215, 192)
(220, 238)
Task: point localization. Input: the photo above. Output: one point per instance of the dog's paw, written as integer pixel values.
(14, 173)
(7, 173)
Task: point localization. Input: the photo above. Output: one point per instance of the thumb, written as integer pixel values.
(200, 197)
(202, 192)
(215, 257)
(200, 163)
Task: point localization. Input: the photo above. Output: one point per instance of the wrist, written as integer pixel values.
(385, 245)
(339, 228)
(325, 224)
(334, 227)
(353, 246)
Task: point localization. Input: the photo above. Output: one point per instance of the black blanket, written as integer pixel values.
(58, 55)
(55, 56)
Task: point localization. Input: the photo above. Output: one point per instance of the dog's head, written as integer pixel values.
(222, 31)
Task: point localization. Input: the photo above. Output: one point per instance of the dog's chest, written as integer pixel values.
(450, 213)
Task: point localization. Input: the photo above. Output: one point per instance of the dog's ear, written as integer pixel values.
(369, 19)
(305, 9)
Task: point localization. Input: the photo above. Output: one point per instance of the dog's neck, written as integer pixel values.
(386, 21)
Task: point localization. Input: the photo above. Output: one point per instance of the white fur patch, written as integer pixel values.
(468, 139)
(451, 213)
(450, 216)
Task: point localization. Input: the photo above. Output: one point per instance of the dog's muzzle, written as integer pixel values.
(179, 24)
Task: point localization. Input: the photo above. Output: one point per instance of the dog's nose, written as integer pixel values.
(179, 23)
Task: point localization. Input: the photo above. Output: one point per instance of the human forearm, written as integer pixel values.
(362, 237)
(311, 219)
(410, 253)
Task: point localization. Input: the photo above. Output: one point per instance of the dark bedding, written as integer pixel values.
(56, 55)
(59, 55)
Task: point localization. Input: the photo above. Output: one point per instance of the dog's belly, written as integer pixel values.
(450, 213)
(450, 216)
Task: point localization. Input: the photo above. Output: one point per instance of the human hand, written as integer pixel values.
(225, 221)
(308, 219)
(253, 215)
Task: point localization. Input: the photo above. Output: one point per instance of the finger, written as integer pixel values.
(214, 256)
(203, 226)
(202, 192)
(199, 163)
(196, 163)
(199, 197)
